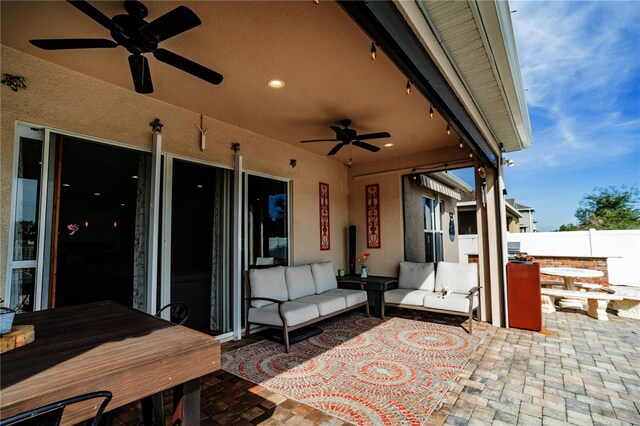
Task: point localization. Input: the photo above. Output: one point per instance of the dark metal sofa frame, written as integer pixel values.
(285, 327)
(469, 296)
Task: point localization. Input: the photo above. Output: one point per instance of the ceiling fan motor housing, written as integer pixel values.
(130, 34)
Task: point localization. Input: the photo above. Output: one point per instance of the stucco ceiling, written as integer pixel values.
(320, 53)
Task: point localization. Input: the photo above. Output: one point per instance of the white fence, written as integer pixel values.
(622, 248)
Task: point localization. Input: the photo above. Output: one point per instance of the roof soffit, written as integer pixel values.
(472, 36)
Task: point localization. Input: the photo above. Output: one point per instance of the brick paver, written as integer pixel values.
(582, 371)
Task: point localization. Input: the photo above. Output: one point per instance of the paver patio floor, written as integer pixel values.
(583, 371)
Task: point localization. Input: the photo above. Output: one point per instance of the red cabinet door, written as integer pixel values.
(523, 296)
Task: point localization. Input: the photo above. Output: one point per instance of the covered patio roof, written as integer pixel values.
(320, 53)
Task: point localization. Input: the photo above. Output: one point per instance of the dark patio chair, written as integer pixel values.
(179, 312)
(153, 406)
(51, 414)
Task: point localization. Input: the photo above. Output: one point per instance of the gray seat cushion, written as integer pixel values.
(456, 302)
(324, 276)
(299, 281)
(405, 296)
(459, 277)
(269, 283)
(417, 276)
(294, 312)
(326, 304)
(352, 297)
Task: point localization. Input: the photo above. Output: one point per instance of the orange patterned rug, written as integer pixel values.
(363, 370)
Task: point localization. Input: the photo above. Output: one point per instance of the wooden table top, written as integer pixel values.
(100, 346)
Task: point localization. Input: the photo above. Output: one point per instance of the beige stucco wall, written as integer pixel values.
(385, 260)
(63, 99)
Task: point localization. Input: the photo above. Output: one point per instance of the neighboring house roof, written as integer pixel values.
(511, 209)
(519, 206)
(522, 207)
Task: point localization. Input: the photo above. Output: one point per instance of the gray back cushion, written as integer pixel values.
(268, 283)
(324, 276)
(417, 276)
(299, 281)
(459, 277)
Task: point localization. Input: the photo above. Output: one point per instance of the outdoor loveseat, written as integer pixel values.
(296, 296)
(420, 287)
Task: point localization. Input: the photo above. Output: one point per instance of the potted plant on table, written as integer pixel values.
(365, 269)
(524, 258)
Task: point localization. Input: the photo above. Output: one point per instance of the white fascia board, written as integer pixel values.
(496, 26)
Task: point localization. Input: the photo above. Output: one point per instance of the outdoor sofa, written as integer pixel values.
(292, 297)
(420, 287)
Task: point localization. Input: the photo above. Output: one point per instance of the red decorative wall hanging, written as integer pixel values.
(373, 216)
(325, 229)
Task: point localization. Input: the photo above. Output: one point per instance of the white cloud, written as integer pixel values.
(581, 66)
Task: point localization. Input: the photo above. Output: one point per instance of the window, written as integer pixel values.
(432, 230)
(268, 221)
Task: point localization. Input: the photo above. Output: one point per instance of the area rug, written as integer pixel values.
(362, 370)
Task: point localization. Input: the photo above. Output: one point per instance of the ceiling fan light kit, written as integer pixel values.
(139, 37)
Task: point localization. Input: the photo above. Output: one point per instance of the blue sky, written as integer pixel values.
(580, 64)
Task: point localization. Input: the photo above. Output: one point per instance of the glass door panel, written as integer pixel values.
(268, 222)
(101, 224)
(199, 245)
(23, 262)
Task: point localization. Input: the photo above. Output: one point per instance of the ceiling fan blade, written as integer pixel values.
(336, 128)
(319, 140)
(73, 43)
(141, 74)
(366, 146)
(379, 135)
(336, 149)
(172, 23)
(93, 13)
(188, 66)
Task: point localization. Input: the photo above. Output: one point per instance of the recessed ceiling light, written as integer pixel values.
(66, 185)
(134, 177)
(388, 144)
(96, 193)
(122, 204)
(198, 186)
(275, 84)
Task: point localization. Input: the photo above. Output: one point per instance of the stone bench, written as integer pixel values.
(598, 301)
(629, 307)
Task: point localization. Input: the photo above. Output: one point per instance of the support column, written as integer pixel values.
(237, 248)
(154, 225)
(491, 246)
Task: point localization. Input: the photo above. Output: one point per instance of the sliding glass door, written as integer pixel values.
(79, 222)
(200, 237)
(24, 248)
(99, 214)
(81, 231)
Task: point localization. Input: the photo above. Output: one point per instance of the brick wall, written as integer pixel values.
(582, 262)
